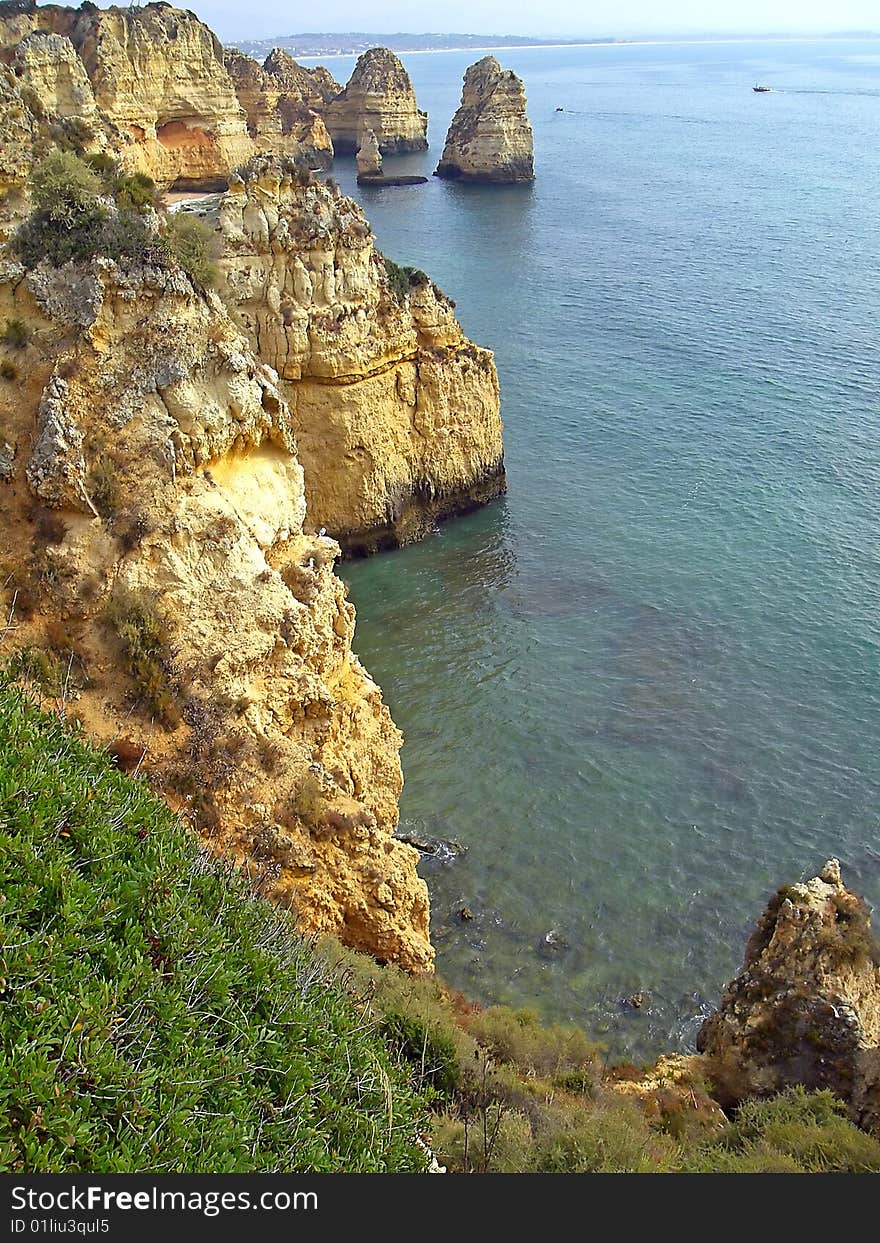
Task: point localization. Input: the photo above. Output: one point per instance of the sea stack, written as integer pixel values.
(369, 158)
(490, 138)
(805, 1009)
(379, 96)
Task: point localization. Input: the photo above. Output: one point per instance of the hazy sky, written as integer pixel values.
(262, 18)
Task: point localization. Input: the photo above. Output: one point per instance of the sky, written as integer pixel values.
(568, 18)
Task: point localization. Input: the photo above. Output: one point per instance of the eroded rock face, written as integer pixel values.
(490, 138)
(806, 1007)
(279, 99)
(151, 470)
(157, 79)
(396, 412)
(379, 96)
(369, 157)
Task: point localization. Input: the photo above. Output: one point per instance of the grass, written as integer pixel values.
(154, 1013)
(144, 636)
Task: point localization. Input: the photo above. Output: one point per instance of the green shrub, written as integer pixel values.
(402, 279)
(135, 192)
(8, 370)
(518, 1037)
(154, 1013)
(65, 188)
(190, 242)
(431, 1051)
(795, 1130)
(37, 668)
(104, 487)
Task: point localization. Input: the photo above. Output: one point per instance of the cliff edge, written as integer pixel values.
(160, 579)
(396, 411)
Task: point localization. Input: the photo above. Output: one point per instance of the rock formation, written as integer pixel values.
(379, 96)
(396, 412)
(280, 99)
(154, 550)
(157, 83)
(490, 138)
(806, 1007)
(369, 158)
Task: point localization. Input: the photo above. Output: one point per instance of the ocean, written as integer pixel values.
(643, 689)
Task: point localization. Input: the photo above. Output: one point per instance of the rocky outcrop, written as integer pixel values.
(279, 99)
(154, 548)
(806, 1007)
(157, 80)
(20, 141)
(369, 158)
(314, 87)
(396, 412)
(379, 96)
(490, 138)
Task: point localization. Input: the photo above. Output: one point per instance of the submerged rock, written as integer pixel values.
(490, 138)
(806, 1007)
(440, 849)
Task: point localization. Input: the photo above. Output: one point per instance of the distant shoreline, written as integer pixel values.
(603, 43)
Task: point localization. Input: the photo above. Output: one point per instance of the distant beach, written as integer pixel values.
(605, 43)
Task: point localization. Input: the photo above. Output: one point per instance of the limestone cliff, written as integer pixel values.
(45, 99)
(158, 85)
(396, 412)
(490, 138)
(378, 96)
(806, 1007)
(279, 98)
(369, 158)
(159, 579)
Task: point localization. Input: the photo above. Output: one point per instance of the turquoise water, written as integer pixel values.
(644, 688)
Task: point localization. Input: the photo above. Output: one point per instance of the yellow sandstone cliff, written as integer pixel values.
(396, 411)
(154, 559)
(281, 99)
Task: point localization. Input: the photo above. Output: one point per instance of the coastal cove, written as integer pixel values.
(643, 688)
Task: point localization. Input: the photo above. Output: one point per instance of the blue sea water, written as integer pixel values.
(644, 688)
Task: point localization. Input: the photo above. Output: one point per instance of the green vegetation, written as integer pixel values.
(37, 668)
(104, 486)
(189, 241)
(402, 279)
(154, 1012)
(148, 658)
(85, 208)
(513, 1095)
(795, 1132)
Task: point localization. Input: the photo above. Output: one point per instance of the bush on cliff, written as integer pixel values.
(154, 1013)
(85, 208)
